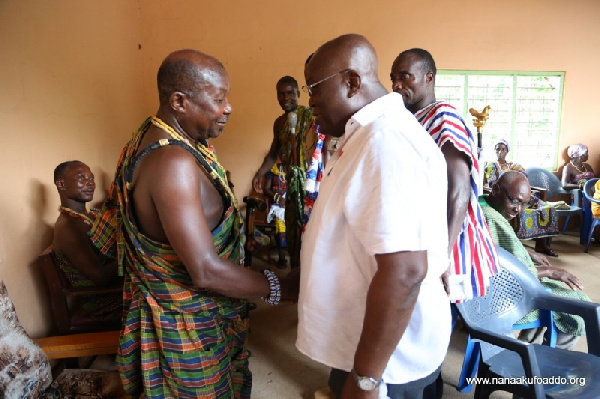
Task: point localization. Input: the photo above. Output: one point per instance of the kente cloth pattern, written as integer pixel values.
(474, 253)
(303, 130)
(505, 237)
(314, 174)
(178, 341)
(102, 307)
(493, 171)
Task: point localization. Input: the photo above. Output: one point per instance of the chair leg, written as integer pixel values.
(564, 230)
(595, 223)
(470, 365)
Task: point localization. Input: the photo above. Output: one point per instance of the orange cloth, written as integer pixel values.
(596, 207)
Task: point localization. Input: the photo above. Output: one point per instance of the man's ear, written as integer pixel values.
(354, 83)
(429, 78)
(60, 184)
(177, 101)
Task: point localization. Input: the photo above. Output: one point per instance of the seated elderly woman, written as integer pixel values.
(537, 221)
(577, 171)
(509, 195)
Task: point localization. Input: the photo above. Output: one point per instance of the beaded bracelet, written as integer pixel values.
(274, 287)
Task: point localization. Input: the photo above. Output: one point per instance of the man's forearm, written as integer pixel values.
(390, 303)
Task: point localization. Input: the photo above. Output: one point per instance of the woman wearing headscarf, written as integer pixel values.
(538, 221)
(577, 171)
(494, 169)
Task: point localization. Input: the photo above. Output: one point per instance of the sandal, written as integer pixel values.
(550, 252)
(281, 263)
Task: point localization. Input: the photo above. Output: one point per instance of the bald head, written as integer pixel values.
(512, 178)
(510, 194)
(351, 51)
(343, 77)
(187, 71)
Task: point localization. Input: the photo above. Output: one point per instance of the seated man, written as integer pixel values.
(509, 195)
(78, 259)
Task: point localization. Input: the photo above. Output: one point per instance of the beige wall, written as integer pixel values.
(77, 77)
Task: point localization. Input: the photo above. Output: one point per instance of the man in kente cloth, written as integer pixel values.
(293, 145)
(177, 227)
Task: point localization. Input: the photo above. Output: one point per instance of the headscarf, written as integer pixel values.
(503, 141)
(577, 150)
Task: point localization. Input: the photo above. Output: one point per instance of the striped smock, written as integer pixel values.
(474, 253)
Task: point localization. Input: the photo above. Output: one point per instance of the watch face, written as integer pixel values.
(366, 384)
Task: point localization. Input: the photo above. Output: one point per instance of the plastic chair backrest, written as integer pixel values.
(589, 189)
(510, 295)
(540, 177)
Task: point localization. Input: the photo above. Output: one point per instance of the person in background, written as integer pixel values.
(78, 259)
(577, 171)
(293, 145)
(473, 255)
(538, 220)
(275, 189)
(494, 169)
(509, 195)
(372, 305)
(178, 228)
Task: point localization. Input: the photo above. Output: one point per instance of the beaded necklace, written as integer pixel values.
(577, 167)
(218, 171)
(83, 216)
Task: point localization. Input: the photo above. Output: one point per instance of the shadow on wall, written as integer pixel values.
(103, 182)
(39, 234)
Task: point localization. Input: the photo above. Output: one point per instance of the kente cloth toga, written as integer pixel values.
(101, 307)
(505, 237)
(177, 340)
(474, 253)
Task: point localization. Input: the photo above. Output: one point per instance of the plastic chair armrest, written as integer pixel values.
(525, 351)
(589, 312)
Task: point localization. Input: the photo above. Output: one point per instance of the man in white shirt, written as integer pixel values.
(372, 305)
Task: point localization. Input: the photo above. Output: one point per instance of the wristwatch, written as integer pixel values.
(366, 383)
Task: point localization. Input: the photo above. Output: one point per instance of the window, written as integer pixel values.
(525, 110)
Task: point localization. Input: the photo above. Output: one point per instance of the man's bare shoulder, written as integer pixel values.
(279, 122)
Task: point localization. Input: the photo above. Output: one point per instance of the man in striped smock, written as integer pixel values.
(473, 256)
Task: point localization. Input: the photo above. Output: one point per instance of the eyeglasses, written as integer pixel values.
(308, 88)
(514, 201)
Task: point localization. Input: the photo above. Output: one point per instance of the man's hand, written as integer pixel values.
(558, 274)
(257, 181)
(539, 258)
(445, 280)
(352, 391)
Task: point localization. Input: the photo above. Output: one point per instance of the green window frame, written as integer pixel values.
(525, 110)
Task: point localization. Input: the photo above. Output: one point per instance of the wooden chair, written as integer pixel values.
(67, 316)
(257, 209)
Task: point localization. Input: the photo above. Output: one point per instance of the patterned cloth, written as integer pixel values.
(25, 371)
(576, 150)
(581, 178)
(505, 237)
(104, 307)
(493, 171)
(305, 136)
(178, 340)
(474, 253)
(279, 187)
(314, 174)
(536, 223)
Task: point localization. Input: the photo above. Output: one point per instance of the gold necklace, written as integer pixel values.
(83, 216)
(579, 170)
(156, 121)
